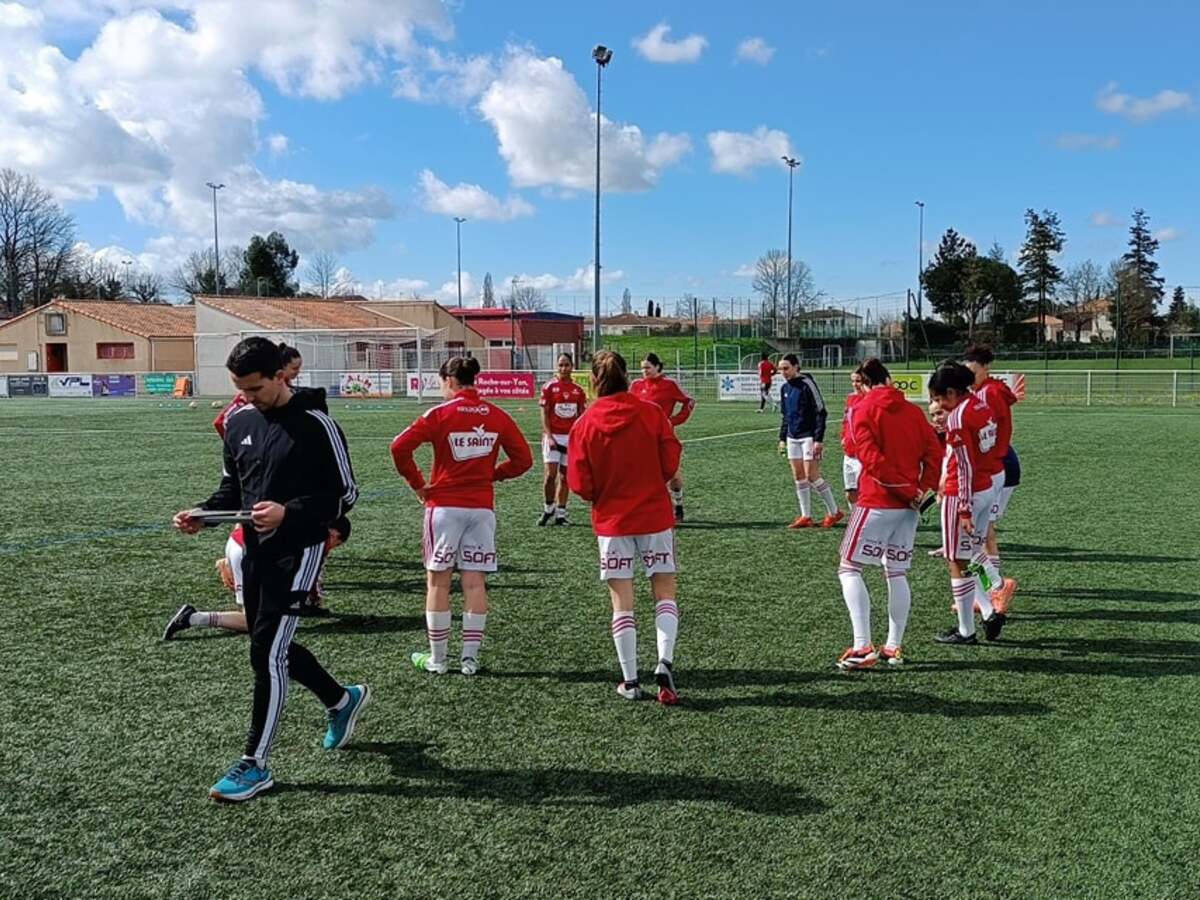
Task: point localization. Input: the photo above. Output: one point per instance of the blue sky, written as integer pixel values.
(980, 111)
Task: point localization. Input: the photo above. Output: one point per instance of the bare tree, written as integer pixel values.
(528, 298)
(321, 274)
(146, 287)
(36, 240)
(771, 279)
(1084, 282)
(196, 274)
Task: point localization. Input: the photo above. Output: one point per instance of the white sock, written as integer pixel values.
(995, 561)
(804, 497)
(984, 562)
(472, 633)
(821, 486)
(899, 603)
(561, 512)
(624, 633)
(549, 507)
(677, 497)
(963, 590)
(983, 599)
(341, 704)
(202, 620)
(437, 626)
(666, 623)
(858, 602)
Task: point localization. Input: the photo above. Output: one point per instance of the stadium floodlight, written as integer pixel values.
(602, 56)
(458, 220)
(791, 163)
(216, 239)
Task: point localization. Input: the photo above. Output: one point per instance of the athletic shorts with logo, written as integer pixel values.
(620, 556)
(456, 537)
(956, 542)
(851, 469)
(881, 537)
(1005, 484)
(551, 453)
(800, 448)
(234, 552)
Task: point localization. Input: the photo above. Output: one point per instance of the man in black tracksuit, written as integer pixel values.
(287, 463)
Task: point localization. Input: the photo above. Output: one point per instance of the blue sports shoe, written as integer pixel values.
(342, 721)
(244, 781)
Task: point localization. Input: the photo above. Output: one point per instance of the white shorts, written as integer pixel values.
(881, 537)
(956, 543)
(551, 455)
(1000, 497)
(456, 537)
(618, 555)
(800, 448)
(851, 469)
(233, 555)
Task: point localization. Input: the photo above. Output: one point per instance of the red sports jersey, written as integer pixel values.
(848, 424)
(222, 419)
(467, 434)
(766, 371)
(564, 401)
(970, 436)
(622, 453)
(1000, 400)
(900, 454)
(239, 536)
(664, 393)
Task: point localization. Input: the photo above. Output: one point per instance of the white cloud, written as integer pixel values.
(746, 270)
(469, 200)
(277, 144)
(655, 46)
(436, 77)
(1141, 109)
(582, 279)
(1166, 235)
(1103, 219)
(1073, 141)
(755, 50)
(737, 152)
(546, 131)
(447, 294)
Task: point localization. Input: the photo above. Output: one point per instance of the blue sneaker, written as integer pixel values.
(342, 721)
(244, 781)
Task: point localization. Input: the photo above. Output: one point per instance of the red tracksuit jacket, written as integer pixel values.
(899, 451)
(848, 424)
(665, 393)
(1000, 400)
(970, 436)
(467, 434)
(623, 451)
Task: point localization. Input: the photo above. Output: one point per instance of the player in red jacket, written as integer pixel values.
(1000, 400)
(666, 394)
(966, 490)
(901, 461)
(766, 377)
(467, 434)
(562, 403)
(622, 453)
(851, 467)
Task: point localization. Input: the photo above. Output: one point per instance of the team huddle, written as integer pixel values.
(288, 481)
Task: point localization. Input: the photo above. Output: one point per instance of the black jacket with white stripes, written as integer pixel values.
(295, 455)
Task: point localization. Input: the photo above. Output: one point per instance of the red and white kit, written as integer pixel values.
(623, 451)
(901, 459)
(235, 549)
(851, 467)
(237, 404)
(971, 433)
(467, 434)
(666, 394)
(564, 402)
(999, 398)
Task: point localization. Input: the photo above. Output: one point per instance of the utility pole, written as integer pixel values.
(602, 56)
(791, 163)
(458, 220)
(216, 239)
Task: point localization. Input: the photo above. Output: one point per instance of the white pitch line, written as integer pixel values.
(28, 432)
(717, 437)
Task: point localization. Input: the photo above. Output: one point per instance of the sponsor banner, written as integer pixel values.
(70, 385)
(744, 386)
(3, 385)
(114, 385)
(506, 385)
(584, 380)
(426, 384)
(160, 383)
(28, 386)
(365, 384)
(913, 385)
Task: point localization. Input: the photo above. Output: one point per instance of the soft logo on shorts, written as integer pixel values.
(651, 559)
(478, 556)
(473, 444)
(616, 564)
(891, 554)
(444, 557)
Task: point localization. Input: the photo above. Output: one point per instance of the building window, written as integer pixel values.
(9, 353)
(56, 323)
(114, 351)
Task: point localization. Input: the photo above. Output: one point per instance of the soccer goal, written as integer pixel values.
(1185, 343)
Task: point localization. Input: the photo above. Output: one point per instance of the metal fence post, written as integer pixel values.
(420, 375)
(1175, 388)
(1089, 387)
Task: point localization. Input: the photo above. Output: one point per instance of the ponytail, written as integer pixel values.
(461, 369)
(609, 374)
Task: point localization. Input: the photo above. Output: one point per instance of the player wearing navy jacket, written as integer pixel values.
(802, 439)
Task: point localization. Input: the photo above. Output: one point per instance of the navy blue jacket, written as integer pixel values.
(802, 409)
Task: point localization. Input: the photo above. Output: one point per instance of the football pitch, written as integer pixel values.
(1058, 762)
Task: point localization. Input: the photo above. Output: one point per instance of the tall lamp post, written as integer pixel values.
(512, 324)
(458, 220)
(791, 164)
(216, 239)
(602, 56)
(920, 254)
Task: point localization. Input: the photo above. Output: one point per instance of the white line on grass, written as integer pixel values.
(733, 434)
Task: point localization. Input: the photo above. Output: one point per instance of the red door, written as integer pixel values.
(56, 358)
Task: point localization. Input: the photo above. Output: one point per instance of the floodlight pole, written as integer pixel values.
(458, 220)
(602, 57)
(216, 239)
(791, 164)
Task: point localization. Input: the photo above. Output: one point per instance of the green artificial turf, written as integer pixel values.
(1060, 762)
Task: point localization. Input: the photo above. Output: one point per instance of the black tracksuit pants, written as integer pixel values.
(274, 589)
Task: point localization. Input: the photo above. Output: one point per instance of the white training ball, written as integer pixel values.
(193, 405)
(216, 404)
